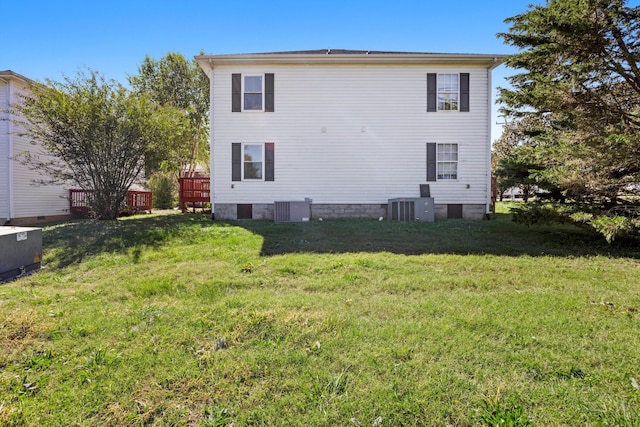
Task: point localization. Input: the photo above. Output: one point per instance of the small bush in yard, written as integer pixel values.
(536, 214)
(612, 227)
(164, 189)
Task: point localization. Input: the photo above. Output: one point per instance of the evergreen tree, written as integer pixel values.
(578, 71)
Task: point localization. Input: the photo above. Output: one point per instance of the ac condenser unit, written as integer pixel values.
(292, 211)
(20, 251)
(411, 209)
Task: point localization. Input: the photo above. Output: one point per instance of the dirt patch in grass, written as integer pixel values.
(20, 330)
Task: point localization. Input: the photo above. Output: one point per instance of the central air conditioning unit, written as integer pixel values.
(292, 211)
(411, 209)
(20, 251)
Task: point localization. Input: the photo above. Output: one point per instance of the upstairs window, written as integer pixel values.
(252, 93)
(447, 92)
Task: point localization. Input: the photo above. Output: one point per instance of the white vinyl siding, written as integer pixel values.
(20, 195)
(4, 153)
(356, 136)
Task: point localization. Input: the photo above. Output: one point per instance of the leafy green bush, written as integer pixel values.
(581, 217)
(613, 227)
(164, 189)
(536, 214)
(610, 225)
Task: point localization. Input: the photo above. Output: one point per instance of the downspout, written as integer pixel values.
(488, 151)
(211, 140)
(12, 194)
(495, 64)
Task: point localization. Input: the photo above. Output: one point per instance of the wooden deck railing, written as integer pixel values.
(140, 200)
(78, 201)
(194, 191)
(137, 201)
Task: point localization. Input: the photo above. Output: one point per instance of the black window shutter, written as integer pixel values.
(464, 92)
(236, 93)
(268, 92)
(236, 161)
(432, 79)
(269, 161)
(431, 161)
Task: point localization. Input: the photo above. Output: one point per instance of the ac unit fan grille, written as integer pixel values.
(403, 210)
(282, 211)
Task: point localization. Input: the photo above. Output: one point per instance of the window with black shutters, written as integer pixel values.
(253, 161)
(447, 92)
(252, 92)
(442, 161)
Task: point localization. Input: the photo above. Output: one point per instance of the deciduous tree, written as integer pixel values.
(182, 87)
(95, 135)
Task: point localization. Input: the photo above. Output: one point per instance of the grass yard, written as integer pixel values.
(177, 320)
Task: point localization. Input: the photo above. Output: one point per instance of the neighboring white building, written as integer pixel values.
(349, 130)
(21, 201)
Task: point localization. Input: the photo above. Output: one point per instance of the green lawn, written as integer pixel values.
(177, 320)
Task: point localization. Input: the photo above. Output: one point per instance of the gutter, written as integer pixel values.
(487, 60)
(497, 61)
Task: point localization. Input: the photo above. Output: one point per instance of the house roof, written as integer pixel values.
(341, 52)
(348, 56)
(8, 74)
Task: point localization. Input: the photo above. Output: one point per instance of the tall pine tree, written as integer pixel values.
(578, 68)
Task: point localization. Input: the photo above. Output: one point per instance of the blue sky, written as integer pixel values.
(49, 39)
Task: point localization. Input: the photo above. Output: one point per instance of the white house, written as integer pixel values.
(349, 130)
(22, 201)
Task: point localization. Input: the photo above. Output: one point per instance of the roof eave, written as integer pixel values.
(486, 60)
(12, 75)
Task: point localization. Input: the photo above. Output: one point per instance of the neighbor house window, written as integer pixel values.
(447, 163)
(252, 90)
(252, 161)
